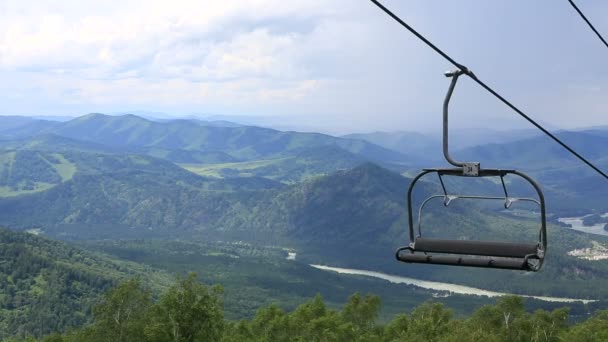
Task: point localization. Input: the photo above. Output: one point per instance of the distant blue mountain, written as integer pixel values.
(239, 142)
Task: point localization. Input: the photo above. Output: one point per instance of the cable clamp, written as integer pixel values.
(462, 70)
(470, 169)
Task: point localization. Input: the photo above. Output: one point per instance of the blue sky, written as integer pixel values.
(338, 65)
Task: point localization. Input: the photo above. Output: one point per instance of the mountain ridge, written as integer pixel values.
(241, 142)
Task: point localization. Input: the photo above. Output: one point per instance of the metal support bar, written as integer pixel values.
(454, 75)
(508, 201)
(470, 169)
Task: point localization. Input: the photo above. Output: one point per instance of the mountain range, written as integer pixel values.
(102, 180)
(354, 217)
(134, 133)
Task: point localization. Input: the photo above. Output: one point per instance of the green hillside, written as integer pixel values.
(13, 127)
(302, 165)
(571, 187)
(23, 172)
(49, 286)
(125, 193)
(353, 218)
(221, 151)
(55, 143)
(539, 153)
(241, 142)
(243, 196)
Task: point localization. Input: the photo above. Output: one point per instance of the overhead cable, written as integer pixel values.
(466, 71)
(588, 22)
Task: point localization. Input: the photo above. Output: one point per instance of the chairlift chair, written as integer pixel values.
(489, 254)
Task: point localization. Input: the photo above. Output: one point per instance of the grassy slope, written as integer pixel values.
(303, 165)
(26, 172)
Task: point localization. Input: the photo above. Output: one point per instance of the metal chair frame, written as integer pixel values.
(489, 254)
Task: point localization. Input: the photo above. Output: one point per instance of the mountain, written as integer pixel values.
(353, 218)
(172, 201)
(12, 127)
(245, 143)
(210, 123)
(132, 133)
(571, 187)
(301, 165)
(538, 153)
(54, 143)
(114, 194)
(461, 138)
(50, 286)
(11, 121)
(422, 146)
(24, 172)
(428, 146)
(216, 149)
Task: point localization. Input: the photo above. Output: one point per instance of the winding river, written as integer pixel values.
(438, 286)
(577, 224)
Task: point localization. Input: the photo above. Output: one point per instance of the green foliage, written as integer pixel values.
(362, 312)
(121, 316)
(594, 329)
(23, 172)
(188, 312)
(50, 286)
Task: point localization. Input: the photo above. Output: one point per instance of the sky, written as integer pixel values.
(330, 65)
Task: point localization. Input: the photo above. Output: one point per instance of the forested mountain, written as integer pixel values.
(20, 126)
(299, 166)
(161, 196)
(352, 218)
(50, 142)
(420, 145)
(49, 286)
(27, 171)
(115, 184)
(571, 186)
(428, 145)
(539, 153)
(241, 142)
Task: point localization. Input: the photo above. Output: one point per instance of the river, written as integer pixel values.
(577, 224)
(438, 286)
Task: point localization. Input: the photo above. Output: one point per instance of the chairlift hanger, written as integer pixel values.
(488, 254)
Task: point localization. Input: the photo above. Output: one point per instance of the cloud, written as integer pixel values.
(202, 40)
(152, 53)
(341, 59)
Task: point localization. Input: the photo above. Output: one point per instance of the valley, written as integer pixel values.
(251, 208)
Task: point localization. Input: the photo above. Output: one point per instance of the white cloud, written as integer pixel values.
(157, 52)
(201, 39)
(339, 58)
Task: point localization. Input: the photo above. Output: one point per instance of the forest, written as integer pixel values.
(135, 198)
(192, 311)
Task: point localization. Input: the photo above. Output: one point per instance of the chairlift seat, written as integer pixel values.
(522, 264)
(471, 247)
(494, 254)
(491, 254)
